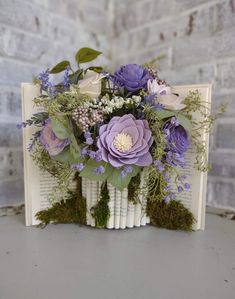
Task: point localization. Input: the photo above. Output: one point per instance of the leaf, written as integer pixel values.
(97, 69)
(121, 183)
(61, 66)
(60, 126)
(73, 78)
(64, 156)
(86, 55)
(162, 114)
(90, 167)
(74, 148)
(185, 122)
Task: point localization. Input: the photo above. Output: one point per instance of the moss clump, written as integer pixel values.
(101, 212)
(172, 215)
(134, 189)
(70, 210)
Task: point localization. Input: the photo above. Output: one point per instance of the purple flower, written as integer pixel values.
(160, 167)
(98, 156)
(187, 186)
(177, 137)
(99, 170)
(133, 77)
(92, 154)
(44, 78)
(125, 141)
(84, 151)
(180, 189)
(127, 169)
(88, 137)
(51, 143)
(66, 81)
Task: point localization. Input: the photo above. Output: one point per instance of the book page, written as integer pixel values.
(195, 198)
(38, 184)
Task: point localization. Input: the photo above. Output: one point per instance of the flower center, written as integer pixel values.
(123, 142)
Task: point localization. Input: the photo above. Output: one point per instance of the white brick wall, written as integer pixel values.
(195, 36)
(198, 40)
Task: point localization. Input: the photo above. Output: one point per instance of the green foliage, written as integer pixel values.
(90, 167)
(101, 212)
(37, 119)
(134, 189)
(120, 182)
(86, 55)
(61, 66)
(172, 215)
(60, 126)
(97, 69)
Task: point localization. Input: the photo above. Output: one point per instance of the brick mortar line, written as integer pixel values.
(200, 7)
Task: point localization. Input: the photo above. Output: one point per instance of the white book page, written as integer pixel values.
(195, 199)
(38, 184)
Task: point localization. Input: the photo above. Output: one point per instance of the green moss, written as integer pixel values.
(172, 215)
(101, 211)
(134, 189)
(70, 210)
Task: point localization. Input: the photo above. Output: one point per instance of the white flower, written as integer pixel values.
(155, 88)
(91, 84)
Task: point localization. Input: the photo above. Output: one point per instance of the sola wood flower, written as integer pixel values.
(132, 76)
(165, 96)
(51, 143)
(125, 140)
(91, 84)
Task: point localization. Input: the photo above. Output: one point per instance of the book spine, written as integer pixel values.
(124, 204)
(143, 199)
(130, 215)
(117, 209)
(137, 218)
(94, 198)
(111, 205)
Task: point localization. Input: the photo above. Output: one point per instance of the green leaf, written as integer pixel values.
(61, 66)
(162, 114)
(120, 183)
(60, 126)
(64, 156)
(86, 55)
(90, 167)
(74, 148)
(185, 122)
(73, 78)
(97, 69)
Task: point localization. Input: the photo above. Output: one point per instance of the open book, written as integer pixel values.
(38, 185)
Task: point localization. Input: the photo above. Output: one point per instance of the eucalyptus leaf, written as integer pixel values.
(185, 122)
(90, 167)
(60, 126)
(61, 66)
(162, 114)
(120, 182)
(74, 77)
(97, 69)
(86, 55)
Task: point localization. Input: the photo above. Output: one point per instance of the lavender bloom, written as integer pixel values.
(160, 167)
(180, 189)
(98, 156)
(92, 154)
(51, 143)
(126, 171)
(44, 78)
(125, 141)
(78, 167)
(66, 81)
(84, 151)
(21, 125)
(99, 170)
(187, 186)
(133, 77)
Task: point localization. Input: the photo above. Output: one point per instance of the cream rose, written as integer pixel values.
(164, 95)
(91, 84)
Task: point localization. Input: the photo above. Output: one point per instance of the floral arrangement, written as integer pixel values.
(109, 127)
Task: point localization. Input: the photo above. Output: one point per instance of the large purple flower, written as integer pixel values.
(177, 137)
(125, 141)
(132, 76)
(51, 143)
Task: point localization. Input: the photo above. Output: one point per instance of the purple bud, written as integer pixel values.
(180, 189)
(99, 170)
(78, 167)
(92, 154)
(187, 186)
(89, 141)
